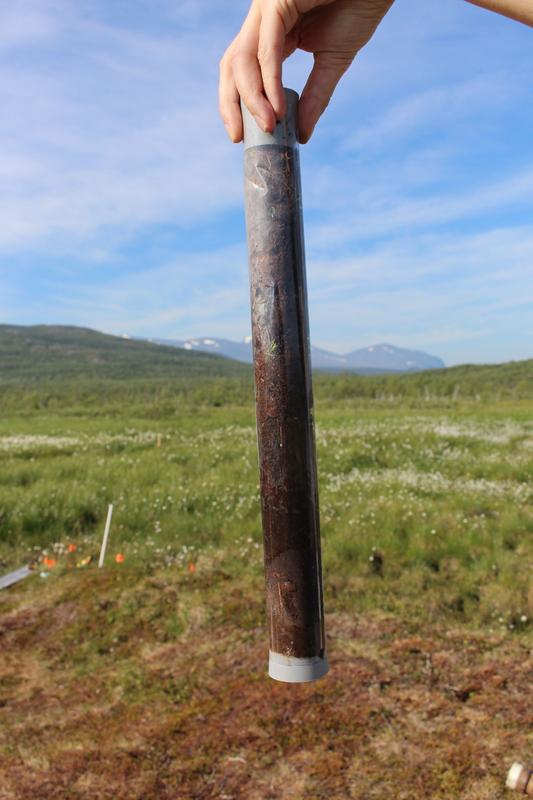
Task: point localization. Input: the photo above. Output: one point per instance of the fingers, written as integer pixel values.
(247, 77)
(229, 101)
(240, 77)
(251, 70)
(327, 71)
(247, 72)
(270, 53)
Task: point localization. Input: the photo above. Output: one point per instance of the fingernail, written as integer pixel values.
(262, 123)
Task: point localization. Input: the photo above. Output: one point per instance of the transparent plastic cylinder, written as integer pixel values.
(284, 399)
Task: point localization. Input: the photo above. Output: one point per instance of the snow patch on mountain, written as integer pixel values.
(379, 357)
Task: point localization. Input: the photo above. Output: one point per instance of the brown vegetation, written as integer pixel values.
(119, 684)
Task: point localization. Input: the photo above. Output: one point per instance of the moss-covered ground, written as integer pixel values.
(146, 679)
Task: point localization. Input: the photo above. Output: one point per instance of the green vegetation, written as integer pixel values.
(148, 676)
(445, 498)
(411, 466)
(481, 383)
(77, 371)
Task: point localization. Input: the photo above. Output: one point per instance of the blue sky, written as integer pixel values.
(121, 201)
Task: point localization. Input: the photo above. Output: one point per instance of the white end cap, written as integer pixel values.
(513, 776)
(290, 669)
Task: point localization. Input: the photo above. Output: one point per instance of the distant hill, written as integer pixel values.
(58, 351)
(368, 360)
(387, 356)
(239, 351)
(79, 368)
(49, 352)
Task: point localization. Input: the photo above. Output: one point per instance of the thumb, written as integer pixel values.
(327, 71)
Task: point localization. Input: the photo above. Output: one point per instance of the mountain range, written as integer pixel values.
(67, 364)
(379, 357)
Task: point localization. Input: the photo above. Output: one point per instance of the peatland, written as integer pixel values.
(146, 679)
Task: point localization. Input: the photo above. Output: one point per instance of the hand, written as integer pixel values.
(333, 30)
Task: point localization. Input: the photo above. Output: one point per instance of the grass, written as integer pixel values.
(146, 679)
(445, 499)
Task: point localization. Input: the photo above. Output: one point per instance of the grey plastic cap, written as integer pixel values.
(296, 670)
(286, 131)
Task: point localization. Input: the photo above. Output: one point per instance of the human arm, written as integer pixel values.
(520, 10)
(333, 30)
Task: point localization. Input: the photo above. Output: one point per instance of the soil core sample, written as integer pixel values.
(284, 399)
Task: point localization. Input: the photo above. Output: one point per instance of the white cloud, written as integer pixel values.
(110, 126)
(28, 22)
(121, 132)
(166, 300)
(372, 213)
(432, 109)
(430, 290)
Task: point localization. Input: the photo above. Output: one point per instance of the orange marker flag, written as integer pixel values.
(119, 558)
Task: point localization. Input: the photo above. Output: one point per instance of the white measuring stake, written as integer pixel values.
(106, 536)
